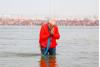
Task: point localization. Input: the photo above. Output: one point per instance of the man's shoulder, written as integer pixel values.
(56, 26)
(44, 24)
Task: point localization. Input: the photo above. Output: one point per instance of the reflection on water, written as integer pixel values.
(48, 61)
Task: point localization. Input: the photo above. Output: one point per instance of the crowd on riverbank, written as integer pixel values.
(65, 22)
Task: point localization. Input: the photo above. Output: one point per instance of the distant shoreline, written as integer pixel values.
(60, 22)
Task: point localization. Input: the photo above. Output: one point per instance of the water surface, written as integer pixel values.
(77, 47)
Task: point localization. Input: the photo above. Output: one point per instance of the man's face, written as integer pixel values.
(52, 23)
(51, 26)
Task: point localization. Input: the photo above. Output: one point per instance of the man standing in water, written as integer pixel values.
(48, 35)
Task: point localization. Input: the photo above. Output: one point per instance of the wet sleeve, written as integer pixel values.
(56, 33)
(44, 34)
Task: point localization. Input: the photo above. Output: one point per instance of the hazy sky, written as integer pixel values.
(46, 8)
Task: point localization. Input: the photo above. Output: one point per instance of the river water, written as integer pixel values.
(77, 47)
